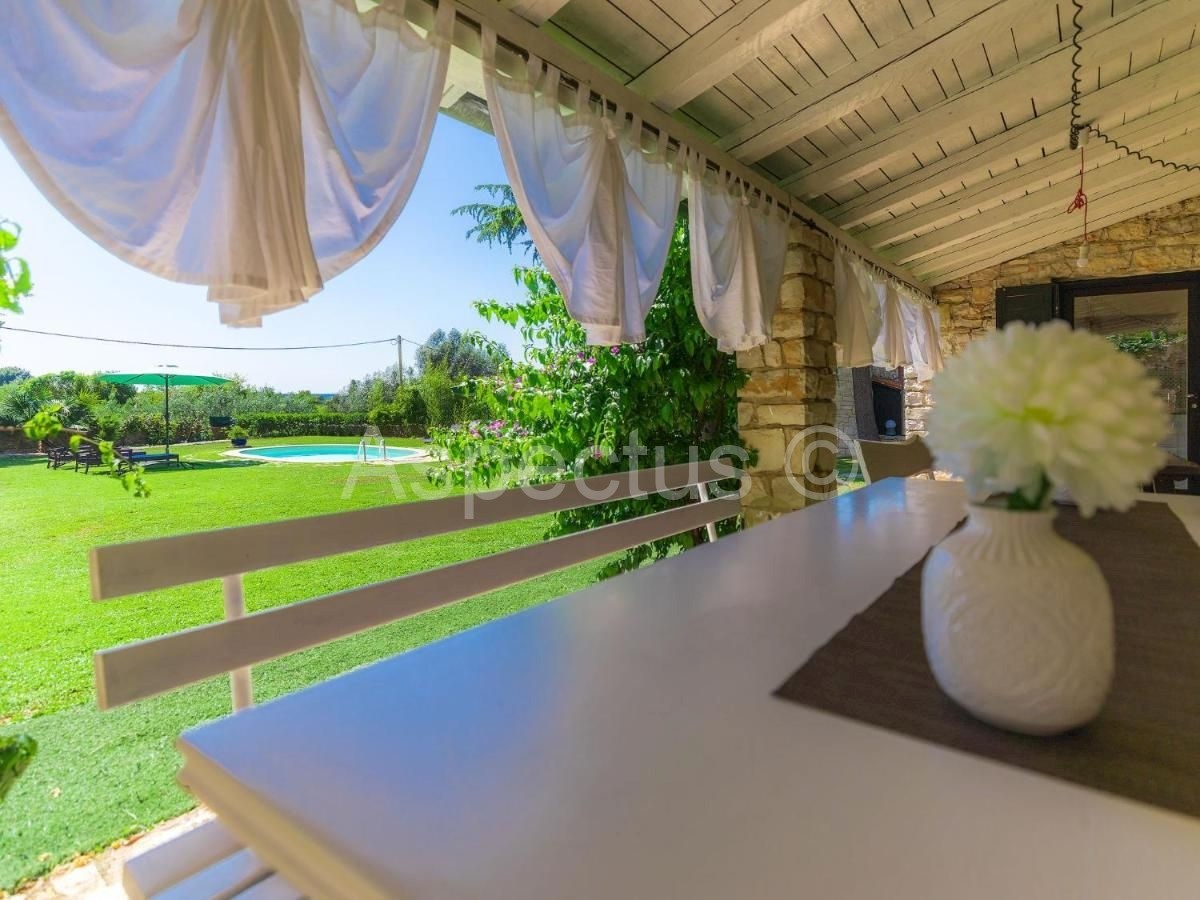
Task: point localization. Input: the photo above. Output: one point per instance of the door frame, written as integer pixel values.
(1067, 291)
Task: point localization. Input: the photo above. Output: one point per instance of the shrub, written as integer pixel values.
(237, 433)
(406, 412)
(297, 424)
(568, 401)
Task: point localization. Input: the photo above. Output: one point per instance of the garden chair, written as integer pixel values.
(58, 456)
(87, 455)
(887, 459)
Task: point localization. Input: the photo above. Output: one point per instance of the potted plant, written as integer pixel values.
(1018, 622)
(238, 436)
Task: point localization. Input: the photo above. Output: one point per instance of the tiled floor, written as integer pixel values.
(98, 877)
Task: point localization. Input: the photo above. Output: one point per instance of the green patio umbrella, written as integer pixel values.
(163, 380)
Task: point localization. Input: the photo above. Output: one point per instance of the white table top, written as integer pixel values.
(624, 743)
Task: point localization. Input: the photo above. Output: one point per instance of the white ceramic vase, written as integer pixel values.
(1018, 622)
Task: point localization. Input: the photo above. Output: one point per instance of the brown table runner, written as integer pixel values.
(1146, 742)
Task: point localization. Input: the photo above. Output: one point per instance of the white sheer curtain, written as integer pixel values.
(738, 250)
(892, 346)
(859, 318)
(258, 148)
(600, 208)
(910, 333)
(924, 332)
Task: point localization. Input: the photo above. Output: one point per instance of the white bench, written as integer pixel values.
(210, 861)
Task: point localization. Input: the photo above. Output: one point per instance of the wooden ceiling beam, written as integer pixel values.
(948, 174)
(1046, 203)
(1144, 132)
(1014, 242)
(731, 40)
(957, 26)
(1114, 37)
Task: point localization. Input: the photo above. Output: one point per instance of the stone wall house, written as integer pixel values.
(792, 387)
(1166, 240)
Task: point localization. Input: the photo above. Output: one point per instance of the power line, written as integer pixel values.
(106, 340)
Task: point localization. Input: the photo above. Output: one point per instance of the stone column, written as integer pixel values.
(792, 387)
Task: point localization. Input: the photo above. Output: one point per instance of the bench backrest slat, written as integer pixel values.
(131, 568)
(149, 667)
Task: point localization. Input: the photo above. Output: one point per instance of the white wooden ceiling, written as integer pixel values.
(935, 131)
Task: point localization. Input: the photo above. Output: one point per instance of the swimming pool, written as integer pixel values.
(327, 453)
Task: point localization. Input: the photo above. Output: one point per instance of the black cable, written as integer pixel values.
(104, 340)
(1077, 124)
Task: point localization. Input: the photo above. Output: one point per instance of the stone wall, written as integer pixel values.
(846, 415)
(792, 386)
(13, 440)
(1166, 240)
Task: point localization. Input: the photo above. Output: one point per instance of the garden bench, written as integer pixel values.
(88, 455)
(57, 457)
(211, 861)
(130, 458)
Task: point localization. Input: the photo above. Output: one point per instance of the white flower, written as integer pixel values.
(1026, 404)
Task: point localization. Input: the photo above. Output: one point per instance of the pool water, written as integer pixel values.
(327, 453)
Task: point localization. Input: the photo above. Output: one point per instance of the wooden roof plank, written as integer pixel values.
(905, 58)
(917, 186)
(655, 20)
(535, 11)
(722, 47)
(1171, 122)
(1141, 24)
(1118, 171)
(608, 32)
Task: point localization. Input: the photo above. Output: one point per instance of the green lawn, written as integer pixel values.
(101, 776)
(849, 476)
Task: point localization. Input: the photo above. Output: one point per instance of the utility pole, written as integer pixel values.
(400, 360)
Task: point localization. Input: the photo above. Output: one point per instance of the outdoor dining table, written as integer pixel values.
(624, 742)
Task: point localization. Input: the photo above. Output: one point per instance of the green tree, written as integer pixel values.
(498, 220)
(460, 355)
(567, 401)
(16, 282)
(9, 374)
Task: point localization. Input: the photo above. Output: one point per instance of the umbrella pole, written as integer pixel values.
(167, 411)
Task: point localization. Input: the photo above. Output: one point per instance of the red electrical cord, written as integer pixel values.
(1080, 201)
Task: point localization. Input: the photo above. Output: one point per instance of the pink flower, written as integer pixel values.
(615, 351)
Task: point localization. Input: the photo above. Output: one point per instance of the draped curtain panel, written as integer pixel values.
(924, 336)
(257, 148)
(738, 250)
(599, 206)
(859, 317)
(892, 347)
(910, 333)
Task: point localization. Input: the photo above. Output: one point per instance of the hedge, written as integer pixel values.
(147, 428)
(329, 423)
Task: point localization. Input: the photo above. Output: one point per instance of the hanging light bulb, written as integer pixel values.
(1080, 136)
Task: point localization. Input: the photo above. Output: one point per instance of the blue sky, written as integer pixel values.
(423, 275)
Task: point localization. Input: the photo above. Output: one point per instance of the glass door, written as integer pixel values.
(1152, 325)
